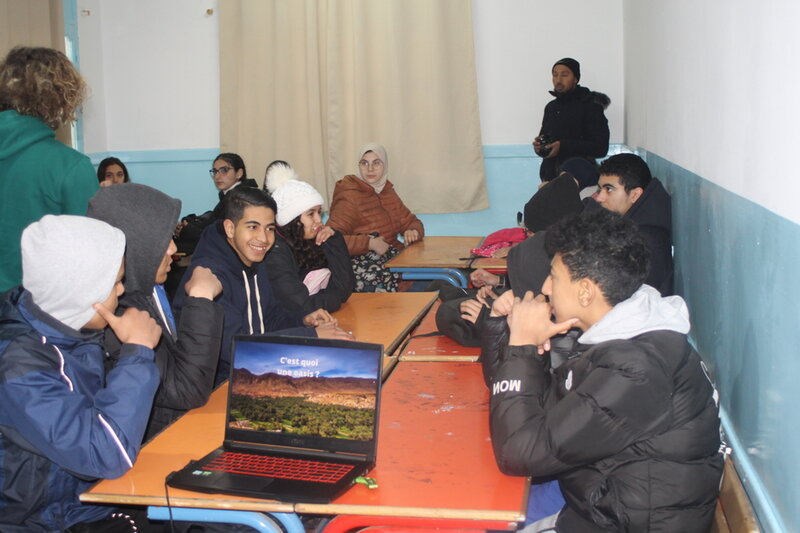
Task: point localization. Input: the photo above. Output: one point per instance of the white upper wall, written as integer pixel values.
(706, 87)
(516, 44)
(153, 69)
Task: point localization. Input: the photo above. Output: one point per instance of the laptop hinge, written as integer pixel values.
(239, 446)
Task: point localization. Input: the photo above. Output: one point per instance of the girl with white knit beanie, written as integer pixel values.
(309, 266)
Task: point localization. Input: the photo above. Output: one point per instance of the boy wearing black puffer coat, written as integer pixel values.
(629, 423)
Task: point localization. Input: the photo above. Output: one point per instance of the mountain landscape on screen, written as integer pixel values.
(334, 407)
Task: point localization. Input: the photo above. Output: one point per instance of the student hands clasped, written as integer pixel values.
(133, 327)
(318, 317)
(330, 330)
(529, 321)
(480, 277)
(471, 309)
(378, 245)
(326, 325)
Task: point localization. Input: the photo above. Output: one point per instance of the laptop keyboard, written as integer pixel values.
(278, 467)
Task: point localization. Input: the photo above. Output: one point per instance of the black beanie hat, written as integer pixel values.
(582, 170)
(555, 200)
(571, 64)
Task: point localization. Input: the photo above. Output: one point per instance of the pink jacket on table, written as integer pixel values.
(357, 210)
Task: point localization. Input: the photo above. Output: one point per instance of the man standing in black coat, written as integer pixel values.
(629, 423)
(574, 124)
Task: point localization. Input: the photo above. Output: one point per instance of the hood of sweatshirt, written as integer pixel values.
(147, 217)
(17, 132)
(654, 207)
(643, 312)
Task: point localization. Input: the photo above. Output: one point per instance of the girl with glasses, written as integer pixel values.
(372, 217)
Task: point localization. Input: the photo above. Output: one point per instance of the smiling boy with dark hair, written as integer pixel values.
(234, 250)
(629, 423)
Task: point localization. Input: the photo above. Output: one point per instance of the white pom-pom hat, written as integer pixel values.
(294, 197)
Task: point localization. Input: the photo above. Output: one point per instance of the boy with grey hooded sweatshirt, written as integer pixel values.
(188, 352)
(64, 420)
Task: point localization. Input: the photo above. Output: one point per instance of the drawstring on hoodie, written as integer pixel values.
(258, 301)
(249, 306)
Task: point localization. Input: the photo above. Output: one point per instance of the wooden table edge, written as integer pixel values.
(440, 358)
(416, 512)
(411, 325)
(267, 506)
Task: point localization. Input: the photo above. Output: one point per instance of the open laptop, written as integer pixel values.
(302, 420)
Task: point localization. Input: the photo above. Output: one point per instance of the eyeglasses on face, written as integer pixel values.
(224, 170)
(366, 164)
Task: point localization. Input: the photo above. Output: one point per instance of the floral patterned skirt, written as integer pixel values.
(372, 274)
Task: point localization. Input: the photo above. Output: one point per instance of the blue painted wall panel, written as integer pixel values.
(736, 266)
(182, 174)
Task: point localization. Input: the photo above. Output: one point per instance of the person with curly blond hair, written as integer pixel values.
(40, 91)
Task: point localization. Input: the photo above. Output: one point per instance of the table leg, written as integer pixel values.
(451, 275)
(258, 521)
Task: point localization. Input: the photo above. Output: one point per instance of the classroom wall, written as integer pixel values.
(704, 98)
(516, 44)
(155, 94)
(153, 70)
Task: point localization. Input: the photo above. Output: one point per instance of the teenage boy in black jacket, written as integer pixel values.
(629, 423)
(626, 187)
(189, 349)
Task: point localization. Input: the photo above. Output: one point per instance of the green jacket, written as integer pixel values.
(38, 175)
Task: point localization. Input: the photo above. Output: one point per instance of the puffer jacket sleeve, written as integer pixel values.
(92, 436)
(494, 338)
(407, 219)
(187, 367)
(345, 216)
(292, 292)
(285, 278)
(624, 398)
(342, 281)
(186, 364)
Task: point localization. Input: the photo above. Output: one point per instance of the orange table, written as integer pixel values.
(495, 265)
(435, 347)
(435, 458)
(435, 461)
(384, 318)
(435, 258)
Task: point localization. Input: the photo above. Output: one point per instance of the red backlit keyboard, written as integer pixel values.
(278, 467)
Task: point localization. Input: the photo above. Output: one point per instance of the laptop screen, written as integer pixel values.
(304, 392)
